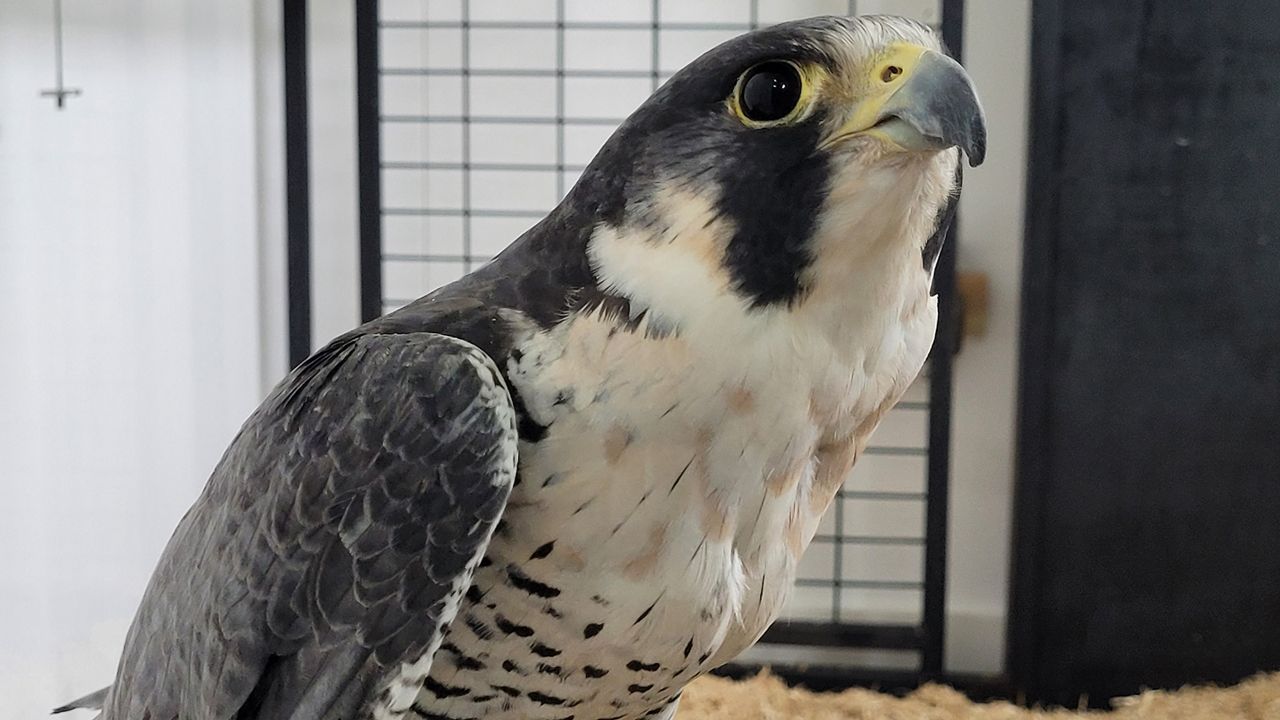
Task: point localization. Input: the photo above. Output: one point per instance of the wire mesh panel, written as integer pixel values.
(484, 115)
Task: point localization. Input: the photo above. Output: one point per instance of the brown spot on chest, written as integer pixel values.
(645, 562)
(835, 458)
(869, 423)
(615, 442)
(794, 532)
(834, 461)
(783, 481)
(703, 441)
(821, 408)
(571, 559)
(741, 401)
(714, 512)
(715, 518)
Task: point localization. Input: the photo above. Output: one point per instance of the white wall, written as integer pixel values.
(129, 313)
(997, 54)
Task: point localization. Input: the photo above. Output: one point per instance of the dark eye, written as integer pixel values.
(769, 91)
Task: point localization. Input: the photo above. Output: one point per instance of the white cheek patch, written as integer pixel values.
(673, 271)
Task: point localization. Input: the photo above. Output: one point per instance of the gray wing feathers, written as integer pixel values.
(333, 541)
(92, 701)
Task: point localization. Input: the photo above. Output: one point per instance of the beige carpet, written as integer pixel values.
(767, 698)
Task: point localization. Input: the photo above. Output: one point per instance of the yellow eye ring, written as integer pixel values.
(772, 93)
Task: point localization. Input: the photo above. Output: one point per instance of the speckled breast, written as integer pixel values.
(655, 527)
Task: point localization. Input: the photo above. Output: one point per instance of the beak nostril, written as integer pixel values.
(890, 73)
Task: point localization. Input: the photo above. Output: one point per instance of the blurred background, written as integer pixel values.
(1079, 499)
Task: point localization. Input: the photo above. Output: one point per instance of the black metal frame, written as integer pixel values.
(297, 154)
(1047, 659)
(927, 638)
(369, 142)
(1036, 331)
(940, 379)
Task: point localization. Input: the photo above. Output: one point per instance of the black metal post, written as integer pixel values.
(932, 651)
(368, 149)
(297, 179)
(1036, 332)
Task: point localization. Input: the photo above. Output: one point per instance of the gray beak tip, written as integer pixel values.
(976, 148)
(941, 103)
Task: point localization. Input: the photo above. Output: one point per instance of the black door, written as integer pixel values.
(1148, 513)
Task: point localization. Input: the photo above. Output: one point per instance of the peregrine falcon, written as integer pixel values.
(571, 482)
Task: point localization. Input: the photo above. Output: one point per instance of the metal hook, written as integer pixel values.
(61, 92)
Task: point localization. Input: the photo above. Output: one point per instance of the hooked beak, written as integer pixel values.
(921, 100)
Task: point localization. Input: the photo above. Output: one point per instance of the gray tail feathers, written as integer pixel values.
(92, 701)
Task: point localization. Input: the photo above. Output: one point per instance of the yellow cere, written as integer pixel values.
(889, 71)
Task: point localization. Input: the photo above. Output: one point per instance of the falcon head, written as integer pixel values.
(777, 163)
